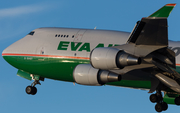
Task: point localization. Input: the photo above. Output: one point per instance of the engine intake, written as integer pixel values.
(85, 74)
(112, 58)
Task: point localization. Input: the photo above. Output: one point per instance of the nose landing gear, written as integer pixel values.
(32, 89)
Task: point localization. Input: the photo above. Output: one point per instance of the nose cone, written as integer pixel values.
(9, 50)
(6, 54)
(12, 54)
(5, 51)
(13, 50)
(18, 47)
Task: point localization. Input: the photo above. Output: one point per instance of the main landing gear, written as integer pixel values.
(32, 89)
(177, 100)
(157, 98)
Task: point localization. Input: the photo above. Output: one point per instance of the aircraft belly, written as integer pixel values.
(62, 69)
(47, 67)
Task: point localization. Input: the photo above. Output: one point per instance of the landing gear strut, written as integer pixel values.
(32, 89)
(160, 106)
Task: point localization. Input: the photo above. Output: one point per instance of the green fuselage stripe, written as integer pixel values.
(47, 67)
(61, 69)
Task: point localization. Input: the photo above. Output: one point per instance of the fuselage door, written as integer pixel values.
(79, 35)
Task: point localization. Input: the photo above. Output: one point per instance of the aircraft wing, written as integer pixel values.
(145, 55)
(149, 40)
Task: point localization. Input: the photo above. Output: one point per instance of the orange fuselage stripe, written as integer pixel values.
(37, 55)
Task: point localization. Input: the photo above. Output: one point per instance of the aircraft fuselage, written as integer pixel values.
(55, 52)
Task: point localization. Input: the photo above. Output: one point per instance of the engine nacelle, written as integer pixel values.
(111, 58)
(85, 74)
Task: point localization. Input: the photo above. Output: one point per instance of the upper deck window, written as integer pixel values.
(31, 33)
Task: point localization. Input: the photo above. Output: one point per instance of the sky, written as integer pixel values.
(19, 17)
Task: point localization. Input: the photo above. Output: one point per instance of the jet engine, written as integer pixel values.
(85, 74)
(111, 58)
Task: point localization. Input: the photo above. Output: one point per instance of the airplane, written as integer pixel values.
(143, 59)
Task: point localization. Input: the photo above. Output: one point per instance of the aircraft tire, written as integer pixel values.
(34, 90)
(164, 106)
(29, 89)
(158, 107)
(153, 98)
(177, 101)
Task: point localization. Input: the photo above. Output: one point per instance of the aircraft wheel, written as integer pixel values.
(34, 90)
(164, 106)
(158, 107)
(29, 89)
(153, 98)
(177, 101)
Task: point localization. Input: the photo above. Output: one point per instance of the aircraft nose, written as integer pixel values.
(11, 51)
(6, 53)
(8, 50)
(15, 48)
(10, 54)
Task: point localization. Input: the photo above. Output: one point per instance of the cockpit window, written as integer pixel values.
(31, 33)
